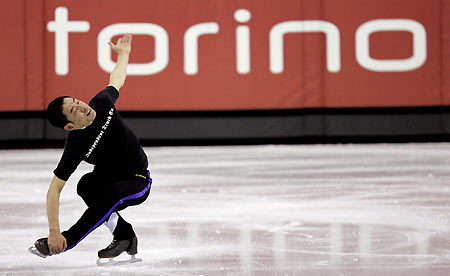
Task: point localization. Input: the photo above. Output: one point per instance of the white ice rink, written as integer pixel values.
(250, 210)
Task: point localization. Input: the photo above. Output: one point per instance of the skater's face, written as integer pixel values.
(78, 113)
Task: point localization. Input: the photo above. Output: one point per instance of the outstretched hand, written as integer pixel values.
(123, 45)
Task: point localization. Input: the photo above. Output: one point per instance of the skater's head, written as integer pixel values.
(69, 113)
(55, 113)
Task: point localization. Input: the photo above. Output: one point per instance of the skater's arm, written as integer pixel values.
(56, 242)
(53, 194)
(119, 73)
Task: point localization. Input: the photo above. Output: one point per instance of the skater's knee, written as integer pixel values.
(85, 184)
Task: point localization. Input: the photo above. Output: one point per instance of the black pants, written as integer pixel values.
(104, 196)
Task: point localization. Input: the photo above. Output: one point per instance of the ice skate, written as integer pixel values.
(40, 248)
(114, 249)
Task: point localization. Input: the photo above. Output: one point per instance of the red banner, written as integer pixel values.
(229, 54)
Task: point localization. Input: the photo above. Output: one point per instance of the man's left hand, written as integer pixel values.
(57, 243)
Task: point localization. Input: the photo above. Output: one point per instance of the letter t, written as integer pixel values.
(61, 27)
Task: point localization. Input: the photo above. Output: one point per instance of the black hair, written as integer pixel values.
(55, 113)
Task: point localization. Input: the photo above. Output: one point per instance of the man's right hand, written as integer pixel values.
(57, 243)
(123, 45)
(119, 73)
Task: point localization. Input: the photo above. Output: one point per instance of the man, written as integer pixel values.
(120, 177)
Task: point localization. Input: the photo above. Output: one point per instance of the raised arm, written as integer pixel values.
(56, 241)
(119, 73)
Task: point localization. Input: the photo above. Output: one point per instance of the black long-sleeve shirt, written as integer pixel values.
(108, 143)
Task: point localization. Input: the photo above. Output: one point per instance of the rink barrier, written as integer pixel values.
(258, 126)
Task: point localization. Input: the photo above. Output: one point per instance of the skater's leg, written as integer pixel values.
(120, 229)
(117, 196)
(88, 188)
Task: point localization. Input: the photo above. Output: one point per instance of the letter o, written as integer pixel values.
(161, 47)
(391, 65)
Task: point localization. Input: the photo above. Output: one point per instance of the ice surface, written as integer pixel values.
(250, 210)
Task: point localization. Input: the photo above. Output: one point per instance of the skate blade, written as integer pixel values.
(34, 251)
(112, 262)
